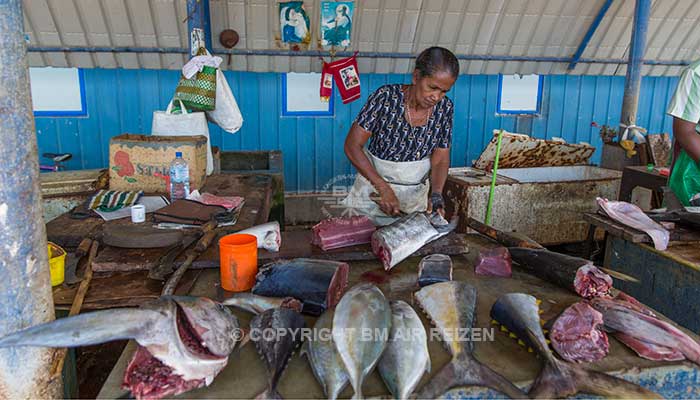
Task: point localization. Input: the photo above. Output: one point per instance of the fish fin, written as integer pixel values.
(269, 394)
(464, 370)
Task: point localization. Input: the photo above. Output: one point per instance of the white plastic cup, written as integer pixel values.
(138, 213)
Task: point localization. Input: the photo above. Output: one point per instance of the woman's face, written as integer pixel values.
(432, 88)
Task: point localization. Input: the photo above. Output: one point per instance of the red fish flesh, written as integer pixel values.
(576, 334)
(633, 216)
(647, 335)
(591, 282)
(494, 262)
(335, 233)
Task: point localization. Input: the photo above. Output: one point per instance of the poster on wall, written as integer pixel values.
(294, 23)
(336, 23)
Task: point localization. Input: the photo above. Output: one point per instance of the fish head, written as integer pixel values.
(211, 322)
(451, 307)
(519, 313)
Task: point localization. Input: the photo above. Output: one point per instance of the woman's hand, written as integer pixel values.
(388, 201)
(436, 199)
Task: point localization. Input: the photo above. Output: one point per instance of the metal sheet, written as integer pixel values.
(522, 151)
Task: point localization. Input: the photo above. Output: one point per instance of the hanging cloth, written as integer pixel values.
(346, 76)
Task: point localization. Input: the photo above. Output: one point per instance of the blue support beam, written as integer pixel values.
(589, 34)
(198, 24)
(25, 288)
(633, 79)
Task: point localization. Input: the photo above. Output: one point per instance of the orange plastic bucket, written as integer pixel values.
(238, 261)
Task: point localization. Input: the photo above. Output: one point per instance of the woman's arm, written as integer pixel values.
(354, 143)
(439, 167)
(684, 132)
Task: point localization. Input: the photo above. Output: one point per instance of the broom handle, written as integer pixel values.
(487, 221)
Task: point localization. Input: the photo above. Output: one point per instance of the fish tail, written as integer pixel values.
(358, 394)
(269, 393)
(465, 370)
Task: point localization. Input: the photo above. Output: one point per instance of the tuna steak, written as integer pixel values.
(451, 307)
(268, 235)
(494, 262)
(318, 284)
(563, 270)
(257, 304)
(641, 330)
(633, 216)
(519, 313)
(576, 334)
(406, 357)
(433, 269)
(324, 358)
(335, 233)
(183, 342)
(361, 327)
(399, 240)
(277, 348)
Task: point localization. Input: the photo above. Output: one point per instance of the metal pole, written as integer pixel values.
(634, 66)
(198, 25)
(25, 288)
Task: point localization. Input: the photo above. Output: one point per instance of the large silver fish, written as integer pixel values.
(257, 304)
(518, 312)
(403, 237)
(406, 356)
(276, 334)
(451, 306)
(324, 358)
(361, 327)
(183, 342)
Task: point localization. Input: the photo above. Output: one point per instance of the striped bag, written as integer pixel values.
(112, 200)
(198, 93)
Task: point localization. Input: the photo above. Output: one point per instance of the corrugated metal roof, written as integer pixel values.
(532, 28)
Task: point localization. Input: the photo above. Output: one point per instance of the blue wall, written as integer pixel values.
(122, 101)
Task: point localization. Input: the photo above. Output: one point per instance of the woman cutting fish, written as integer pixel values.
(409, 129)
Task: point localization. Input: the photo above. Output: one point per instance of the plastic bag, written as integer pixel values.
(685, 178)
(226, 114)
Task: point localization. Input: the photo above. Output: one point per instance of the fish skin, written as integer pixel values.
(518, 312)
(267, 234)
(362, 309)
(451, 307)
(400, 239)
(633, 216)
(550, 266)
(324, 358)
(434, 268)
(154, 327)
(276, 351)
(257, 304)
(406, 356)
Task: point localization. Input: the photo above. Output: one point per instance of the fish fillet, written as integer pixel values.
(633, 216)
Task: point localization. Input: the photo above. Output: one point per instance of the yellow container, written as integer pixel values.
(57, 264)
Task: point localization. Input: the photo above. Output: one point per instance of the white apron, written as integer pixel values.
(410, 181)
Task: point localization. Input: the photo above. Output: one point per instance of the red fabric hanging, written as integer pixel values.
(346, 77)
(326, 83)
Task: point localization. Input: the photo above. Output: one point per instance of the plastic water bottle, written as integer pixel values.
(179, 178)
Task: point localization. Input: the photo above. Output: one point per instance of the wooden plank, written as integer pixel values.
(616, 228)
(114, 259)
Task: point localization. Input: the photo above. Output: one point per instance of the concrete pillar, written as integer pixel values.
(25, 287)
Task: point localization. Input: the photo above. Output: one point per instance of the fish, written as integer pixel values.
(324, 358)
(334, 233)
(638, 328)
(494, 262)
(434, 268)
(577, 336)
(400, 239)
(562, 270)
(318, 284)
(268, 235)
(183, 342)
(406, 356)
(361, 325)
(451, 306)
(276, 349)
(633, 216)
(519, 314)
(257, 304)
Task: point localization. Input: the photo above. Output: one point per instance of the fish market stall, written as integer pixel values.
(542, 189)
(669, 279)
(245, 375)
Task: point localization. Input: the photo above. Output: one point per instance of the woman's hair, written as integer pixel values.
(437, 59)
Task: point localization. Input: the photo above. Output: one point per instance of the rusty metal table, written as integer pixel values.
(245, 376)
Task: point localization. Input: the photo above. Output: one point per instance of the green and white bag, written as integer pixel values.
(199, 92)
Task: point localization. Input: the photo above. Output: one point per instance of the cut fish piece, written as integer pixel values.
(268, 235)
(434, 268)
(633, 216)
(494, 262)
(335, 233)
(576, 336)
(591, 282)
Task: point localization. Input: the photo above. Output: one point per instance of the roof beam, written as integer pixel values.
(589, 34)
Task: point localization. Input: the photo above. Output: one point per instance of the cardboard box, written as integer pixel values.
(135, 161)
